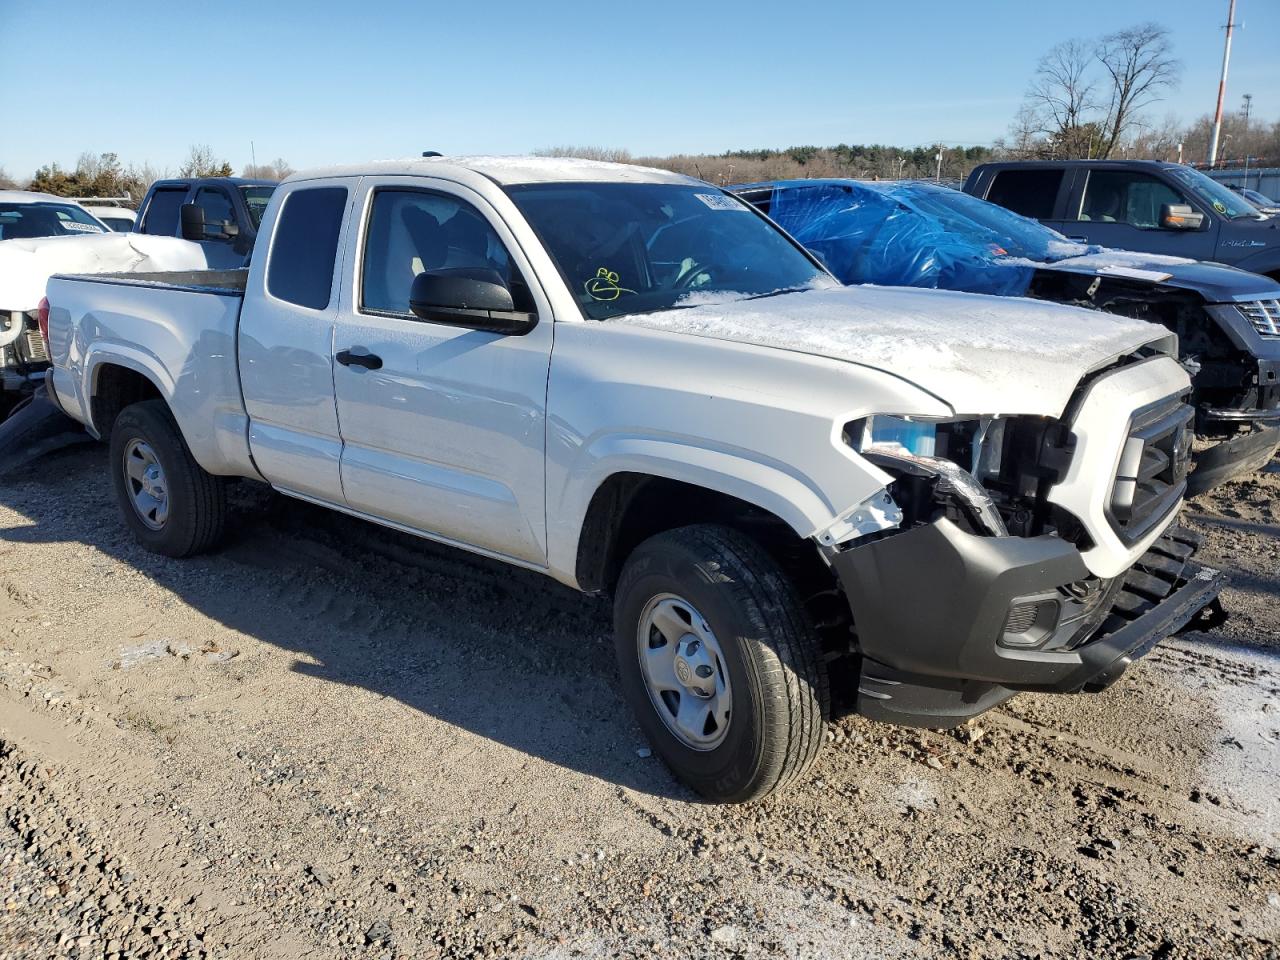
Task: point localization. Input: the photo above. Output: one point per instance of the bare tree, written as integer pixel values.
(277, 169)
(6, 182)
(1062, 97)
(1140, 67)
(201, 163)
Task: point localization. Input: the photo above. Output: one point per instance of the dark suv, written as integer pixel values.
(1144, 205)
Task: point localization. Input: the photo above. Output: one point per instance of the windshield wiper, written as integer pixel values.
(777, 293)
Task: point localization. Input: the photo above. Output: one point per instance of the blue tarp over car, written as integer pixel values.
(912, 233)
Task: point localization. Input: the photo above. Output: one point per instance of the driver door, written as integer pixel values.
(1121, 209)
(443, 428)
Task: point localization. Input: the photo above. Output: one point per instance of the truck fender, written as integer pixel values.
(777, 488)
(120, 355)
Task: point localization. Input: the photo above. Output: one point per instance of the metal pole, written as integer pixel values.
(1222, 86)
(937, 177)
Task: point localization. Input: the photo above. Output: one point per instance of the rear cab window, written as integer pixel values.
(304, 246)
(1030, 192)
(161, 218)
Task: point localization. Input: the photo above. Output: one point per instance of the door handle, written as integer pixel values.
(370, 361)
(1079, 239)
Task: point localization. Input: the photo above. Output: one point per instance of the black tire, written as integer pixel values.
(197, 500)
(770, 650)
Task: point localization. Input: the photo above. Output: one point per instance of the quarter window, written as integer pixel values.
(1120, 196)
(412, 232)
(305, 246)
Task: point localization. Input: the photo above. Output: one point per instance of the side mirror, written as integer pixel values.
(1180, 216)
(192, 219)
(475, 299)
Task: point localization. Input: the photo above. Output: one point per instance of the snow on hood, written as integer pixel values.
(981, 354)
(27, 265)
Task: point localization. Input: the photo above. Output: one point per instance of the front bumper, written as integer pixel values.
(945, 634)
(1243, 454)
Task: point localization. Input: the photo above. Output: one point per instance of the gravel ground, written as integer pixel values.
(330, 741)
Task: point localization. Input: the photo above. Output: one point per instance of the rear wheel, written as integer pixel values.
(719, 662)
(169, 502)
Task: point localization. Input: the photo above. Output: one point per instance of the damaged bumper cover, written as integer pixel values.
(951, 624)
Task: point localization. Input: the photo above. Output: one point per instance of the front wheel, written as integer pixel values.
(169, 502)
(719, 662)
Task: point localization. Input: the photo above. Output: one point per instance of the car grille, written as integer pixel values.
(1264, 315)
(1152, 475)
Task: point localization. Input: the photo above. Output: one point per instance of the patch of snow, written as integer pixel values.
(27, 265)
(1244, 766)
(981, 354)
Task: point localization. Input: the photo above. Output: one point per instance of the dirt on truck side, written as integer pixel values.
(327, 740)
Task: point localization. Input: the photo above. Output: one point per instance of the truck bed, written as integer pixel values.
(177, 329)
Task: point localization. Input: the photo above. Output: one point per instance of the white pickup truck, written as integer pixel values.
(634, 382)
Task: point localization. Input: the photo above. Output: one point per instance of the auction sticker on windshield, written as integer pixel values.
(718, 201)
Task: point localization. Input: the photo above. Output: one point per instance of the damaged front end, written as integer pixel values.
(981, 589)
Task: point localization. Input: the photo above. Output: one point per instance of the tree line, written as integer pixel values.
(103, 174)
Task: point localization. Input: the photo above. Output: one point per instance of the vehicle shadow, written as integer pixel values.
(501, 652)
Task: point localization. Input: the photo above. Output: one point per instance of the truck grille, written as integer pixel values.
(36, 350)
(1264, 315)
(1153, 468)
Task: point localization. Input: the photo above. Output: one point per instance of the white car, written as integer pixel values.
(40, 235)
(637, 384)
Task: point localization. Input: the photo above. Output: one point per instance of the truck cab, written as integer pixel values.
(222, 214)
(1144, 205)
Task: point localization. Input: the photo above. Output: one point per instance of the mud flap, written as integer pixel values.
(36, 427)
(1236, 457)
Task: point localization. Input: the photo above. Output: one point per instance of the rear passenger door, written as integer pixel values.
(286, 342)
(1037, 192)
(443, 428)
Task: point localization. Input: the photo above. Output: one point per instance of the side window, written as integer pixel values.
(1030, 192)
(162, 213)
(217, 211)
(412, 231)
(304, 246)
(1119, 196)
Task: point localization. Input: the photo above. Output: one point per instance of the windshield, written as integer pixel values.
(1228, 203)
(255, 198)
(638, 247)
(27, 220)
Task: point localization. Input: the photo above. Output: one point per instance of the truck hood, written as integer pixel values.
(979, 354)
(26, 265)
(1216, 282)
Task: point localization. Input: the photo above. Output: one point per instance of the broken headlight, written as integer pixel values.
(950, 453)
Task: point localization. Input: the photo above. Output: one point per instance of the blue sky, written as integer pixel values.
(319, 82)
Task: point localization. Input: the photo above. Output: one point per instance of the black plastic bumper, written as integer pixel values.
(1238, 456)
(935, 609)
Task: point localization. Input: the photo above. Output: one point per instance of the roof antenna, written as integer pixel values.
(432, 153)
